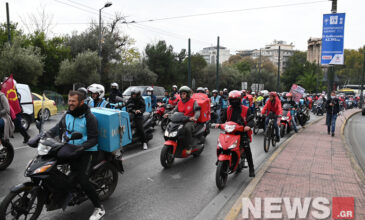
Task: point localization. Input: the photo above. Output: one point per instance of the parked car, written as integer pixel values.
(50, 107)
(158, 91)
(26, 102)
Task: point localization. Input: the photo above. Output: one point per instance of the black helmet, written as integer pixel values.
(135, 91)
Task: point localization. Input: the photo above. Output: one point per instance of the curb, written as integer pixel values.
(354, 162)
(235, 210)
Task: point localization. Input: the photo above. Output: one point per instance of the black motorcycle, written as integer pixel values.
(6, 154)
(213, 112)
(166, 120)
(302, 115)
(52, 187)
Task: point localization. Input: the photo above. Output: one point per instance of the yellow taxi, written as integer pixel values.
(50, 107)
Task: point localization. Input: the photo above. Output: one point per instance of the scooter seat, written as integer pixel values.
(199, 129)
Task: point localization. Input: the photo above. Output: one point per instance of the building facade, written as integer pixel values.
(271, 51)
(210, 54)
(314, 50)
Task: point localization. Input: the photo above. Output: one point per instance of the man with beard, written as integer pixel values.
(79, 118)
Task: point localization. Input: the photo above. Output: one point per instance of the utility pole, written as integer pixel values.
(189, 64)
(331, 69)
(362, 83)
(217, 76)
(106, 5)
(278, 79)
(8, 22)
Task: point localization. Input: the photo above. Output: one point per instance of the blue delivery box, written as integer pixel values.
(112, 123)
(147, 101)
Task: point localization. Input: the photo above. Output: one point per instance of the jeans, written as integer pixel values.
(218, 111)
(276, 127)
(331, 121)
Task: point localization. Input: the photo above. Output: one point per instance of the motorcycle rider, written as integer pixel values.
(273, 105)
(97, 96)
(83, 90)
(216, 99)
(153, 97)
(165, 99)
(239, 113)
(79, 118)
(136, 107)
(114, 93)
(207, 92)
(174, 89)
(333, 108)
(173, 100)
(190, 108)
(293, 105)
(244, 98)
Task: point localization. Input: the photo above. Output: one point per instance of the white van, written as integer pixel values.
(26, 102)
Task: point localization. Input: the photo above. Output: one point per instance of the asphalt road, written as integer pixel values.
(354, 133)
(148, 191)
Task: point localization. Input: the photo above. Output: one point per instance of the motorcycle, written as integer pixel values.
(51, 185)
(213, 112)
(6, 154)
(285, 121)
(302, 115)
(165, 121)
(230, 154)
(259, 122)
(148, 124)
(159, 112)
(174, 143)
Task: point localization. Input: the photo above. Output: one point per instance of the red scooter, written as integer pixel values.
(285, 121)
(228, 152)
(159, 112)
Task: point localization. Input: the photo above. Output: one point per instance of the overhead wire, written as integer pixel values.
(86, 6)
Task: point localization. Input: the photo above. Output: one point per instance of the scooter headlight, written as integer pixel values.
(43, 149)
(229, 128)
(173, 134)
(284, 118)
(233, 145)
(43, 169)
(166, 133)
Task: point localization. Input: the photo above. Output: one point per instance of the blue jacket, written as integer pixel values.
(103, 103)
(217, 100)
(153, 101)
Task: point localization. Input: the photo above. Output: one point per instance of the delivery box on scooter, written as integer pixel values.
(204, 103)
(112, 123)
(147, 101)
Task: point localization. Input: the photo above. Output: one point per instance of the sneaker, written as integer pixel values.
(252, 173)
(97, 214)
(26, 139)
(145, 147)
(333, 134)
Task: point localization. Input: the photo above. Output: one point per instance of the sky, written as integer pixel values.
(255, 26)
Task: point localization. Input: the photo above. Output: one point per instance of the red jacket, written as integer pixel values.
(272, 107)
(187, 108)
(174, 102)
(243, 116)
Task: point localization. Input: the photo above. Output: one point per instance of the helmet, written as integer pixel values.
(215, 91)
(288, 95)
(273, 94)
(174, 86)
(149, 89)
(83, 90)
(225, 90)
(253, 93)
(97, 88)
(185, 89)
(135, 91)
(234, 95)
(200, 89)
(114, 84)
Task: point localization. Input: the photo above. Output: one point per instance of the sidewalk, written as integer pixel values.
(313, 164)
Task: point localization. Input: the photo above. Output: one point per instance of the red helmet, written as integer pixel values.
(273, 94)
(289, 94)
(234, 95)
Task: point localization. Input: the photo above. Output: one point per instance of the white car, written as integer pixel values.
(26, 102)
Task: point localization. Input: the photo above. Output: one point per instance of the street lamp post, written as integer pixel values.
(107, 4)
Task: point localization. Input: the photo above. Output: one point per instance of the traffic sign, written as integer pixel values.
(332, 39)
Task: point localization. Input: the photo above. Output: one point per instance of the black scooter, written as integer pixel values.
(51, 186)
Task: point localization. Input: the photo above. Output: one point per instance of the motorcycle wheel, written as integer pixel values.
(273, 137)
(221, 174)
(16, 204)
(167, 157)
(106, 179)
(266, 141)
(282, 130)
(6, 154)
(164, 124)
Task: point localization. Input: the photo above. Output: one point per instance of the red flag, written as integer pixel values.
(8, 88)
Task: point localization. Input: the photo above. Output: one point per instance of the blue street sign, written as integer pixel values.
(332, 39)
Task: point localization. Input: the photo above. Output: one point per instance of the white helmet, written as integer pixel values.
(97, 88)
(174, 86)
(149, 89)
(114, 84)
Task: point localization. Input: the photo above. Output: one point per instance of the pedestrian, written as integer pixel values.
(333, 108)
(6, 124)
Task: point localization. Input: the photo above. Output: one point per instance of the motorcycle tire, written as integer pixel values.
(164, 123)
(167, 157)
(221, 174)
(106, 180)
(273, 138)
(282, 130)
(8, 151)
(256, 128)
(18, 197)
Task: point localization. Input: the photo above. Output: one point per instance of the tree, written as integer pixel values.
(26, 64)
(351, 71)
(294, 69)
(83, 69)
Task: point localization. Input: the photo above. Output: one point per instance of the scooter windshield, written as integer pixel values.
(179, 117)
